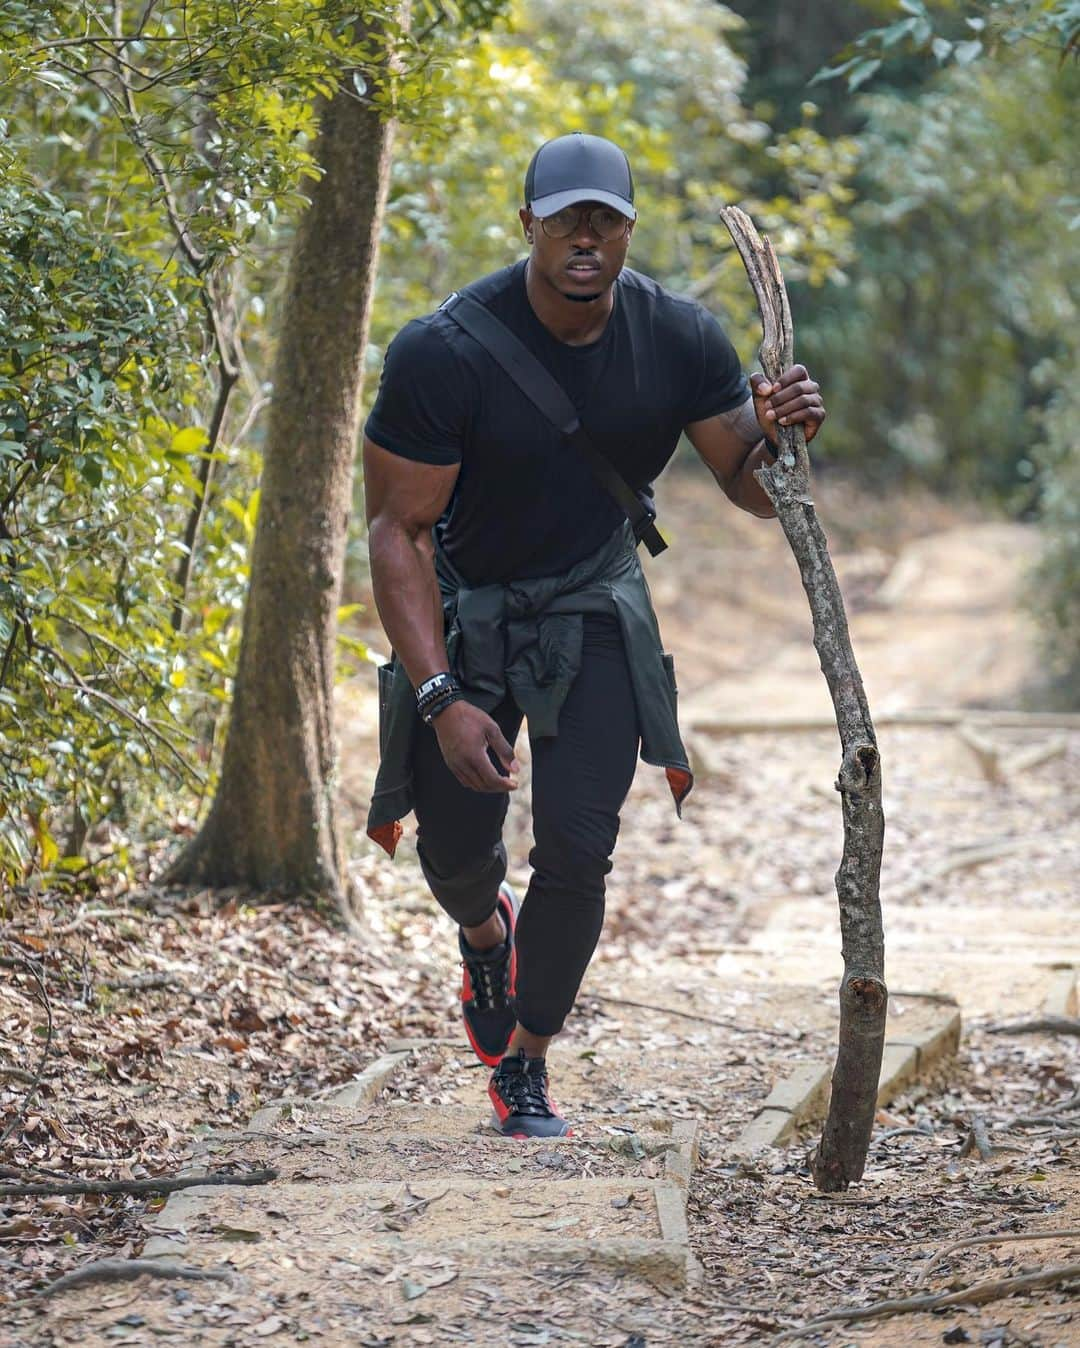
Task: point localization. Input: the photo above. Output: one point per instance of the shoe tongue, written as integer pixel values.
(518, 1062)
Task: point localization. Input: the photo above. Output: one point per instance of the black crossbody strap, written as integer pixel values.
(549, 397)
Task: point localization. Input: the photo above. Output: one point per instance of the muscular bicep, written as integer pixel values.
(404, 494)
(724, 440)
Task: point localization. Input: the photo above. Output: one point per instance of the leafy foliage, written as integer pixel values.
(87, 670)
(963, 285)
(1055, 584)
(154, 158)
(664, 82)
(960, 38)
(152, 161)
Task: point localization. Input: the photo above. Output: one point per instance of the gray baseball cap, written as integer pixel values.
(579, 167)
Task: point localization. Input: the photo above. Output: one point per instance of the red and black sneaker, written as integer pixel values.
(523, 1108)
(488, 983)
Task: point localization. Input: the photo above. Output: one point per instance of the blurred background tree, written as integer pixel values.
(921, 194)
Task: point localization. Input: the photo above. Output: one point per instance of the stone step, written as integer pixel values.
(638, 1225)
(399, 1139)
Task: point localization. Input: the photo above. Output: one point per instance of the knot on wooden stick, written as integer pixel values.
(867, 993)
(858, 769)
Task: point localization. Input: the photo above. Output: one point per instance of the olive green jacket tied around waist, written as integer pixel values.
(525, 638)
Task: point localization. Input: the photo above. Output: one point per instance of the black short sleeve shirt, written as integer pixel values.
(525, 504)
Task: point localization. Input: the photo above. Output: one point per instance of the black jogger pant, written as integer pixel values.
(579, 781)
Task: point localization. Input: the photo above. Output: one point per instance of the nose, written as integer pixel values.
(584, 236)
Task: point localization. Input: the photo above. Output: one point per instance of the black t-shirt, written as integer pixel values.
(525, 503)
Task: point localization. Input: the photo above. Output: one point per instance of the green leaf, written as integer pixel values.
(190, 440)
(966, 52)
(863, 71)
(834, 72)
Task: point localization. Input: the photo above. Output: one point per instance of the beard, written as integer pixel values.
(581, 299)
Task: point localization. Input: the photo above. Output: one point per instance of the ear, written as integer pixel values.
(527, 223)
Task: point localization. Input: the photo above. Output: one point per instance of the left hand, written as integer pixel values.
(795, 397)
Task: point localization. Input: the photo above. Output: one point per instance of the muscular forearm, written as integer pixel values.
(407, 597)
(744, 489)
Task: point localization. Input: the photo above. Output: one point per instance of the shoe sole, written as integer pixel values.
(529, 1137)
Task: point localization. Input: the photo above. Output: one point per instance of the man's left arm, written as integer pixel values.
(733, 444)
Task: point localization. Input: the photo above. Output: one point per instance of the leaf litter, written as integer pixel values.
(177, 1015)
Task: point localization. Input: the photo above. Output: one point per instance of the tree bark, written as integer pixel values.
(841, 1153)
(273, 822)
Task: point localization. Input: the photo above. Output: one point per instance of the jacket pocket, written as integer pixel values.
(669, 670)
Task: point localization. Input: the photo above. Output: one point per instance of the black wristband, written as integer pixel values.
(434, 695)
(439, 705)
(433, 685)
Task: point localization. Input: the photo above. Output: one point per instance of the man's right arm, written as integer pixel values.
(405, 499)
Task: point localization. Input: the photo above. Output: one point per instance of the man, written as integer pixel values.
(507, 580)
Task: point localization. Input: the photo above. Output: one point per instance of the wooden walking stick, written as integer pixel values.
(841, 1153)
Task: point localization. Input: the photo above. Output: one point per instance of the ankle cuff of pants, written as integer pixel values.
(538, 1026)
(470, 894)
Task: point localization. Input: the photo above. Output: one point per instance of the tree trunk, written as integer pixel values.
(841, 1153)
(273, 822)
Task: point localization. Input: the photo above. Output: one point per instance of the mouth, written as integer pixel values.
(583, 266)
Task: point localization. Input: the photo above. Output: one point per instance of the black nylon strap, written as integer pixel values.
(549, 397)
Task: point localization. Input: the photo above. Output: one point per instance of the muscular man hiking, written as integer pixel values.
(505, 572)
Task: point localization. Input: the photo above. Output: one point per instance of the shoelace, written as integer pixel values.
(525, 1092)
(488, 979)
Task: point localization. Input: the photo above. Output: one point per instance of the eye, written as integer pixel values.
(606, 220)
(565, 220)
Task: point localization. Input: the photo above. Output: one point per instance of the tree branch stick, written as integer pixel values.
(841, 1153)
(142, 1186)
(693, 1015)
(976, 1295)
(227, 377)
(1041, 1025)
(941, 1255)
(122, 1270)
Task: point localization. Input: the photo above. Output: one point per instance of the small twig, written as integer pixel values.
(144, 1186)
(145, 728)
(141, 983)
(1041, 1025)
(904, 1132)
(978, 1138)
(17, 1074)
(18, 1172)
(978, 1294)
(696, 1016)
(945, 998)
(936, 1259)
(86, 914)
(28, 1098)
(122, 1270)
(1049, 1112)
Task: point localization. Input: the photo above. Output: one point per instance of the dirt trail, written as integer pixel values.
(400, 1219)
